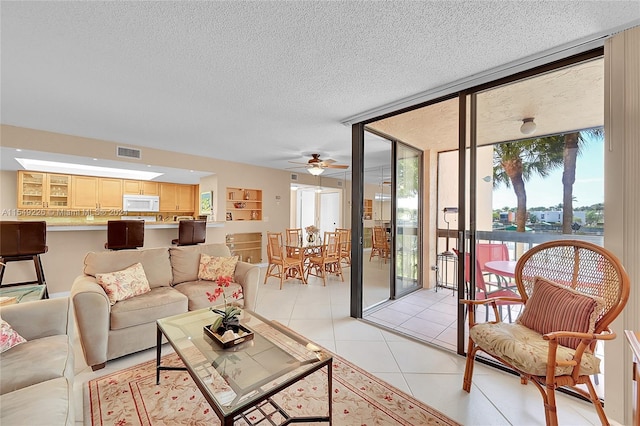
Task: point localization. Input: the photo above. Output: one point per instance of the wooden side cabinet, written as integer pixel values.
(634, 343)
(246, 245)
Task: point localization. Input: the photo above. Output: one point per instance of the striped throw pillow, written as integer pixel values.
(554, 307)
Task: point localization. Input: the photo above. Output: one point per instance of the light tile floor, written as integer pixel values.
(430, 374)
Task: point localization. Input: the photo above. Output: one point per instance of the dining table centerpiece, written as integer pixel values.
(312, 233)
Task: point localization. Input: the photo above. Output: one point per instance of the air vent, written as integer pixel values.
(339, 184)
(129, 152)
(294, 176)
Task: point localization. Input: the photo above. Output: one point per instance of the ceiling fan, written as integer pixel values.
(316, 166)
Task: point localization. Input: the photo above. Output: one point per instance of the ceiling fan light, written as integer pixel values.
(316, 171)
(528, 126)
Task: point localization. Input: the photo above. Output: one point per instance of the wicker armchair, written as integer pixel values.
(572, 291)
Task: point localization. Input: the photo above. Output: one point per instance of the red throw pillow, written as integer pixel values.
(554, 307)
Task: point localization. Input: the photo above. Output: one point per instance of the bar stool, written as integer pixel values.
(22, 240)
(191, 232)
(124, 234)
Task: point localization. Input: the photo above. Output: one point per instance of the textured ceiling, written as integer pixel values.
(259, 82)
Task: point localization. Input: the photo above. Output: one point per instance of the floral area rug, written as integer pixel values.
(131, 397)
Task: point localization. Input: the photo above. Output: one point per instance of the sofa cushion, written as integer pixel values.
(36, 361)
(155, 262)
(160, 302)
(185, 260)
(46, 403)
(8, 336)
(555, 307)
(526, 349)
(125, 284)
(213, 267)
(196, 291)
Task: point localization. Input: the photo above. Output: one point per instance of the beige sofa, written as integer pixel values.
(108, 332)
(37, 375)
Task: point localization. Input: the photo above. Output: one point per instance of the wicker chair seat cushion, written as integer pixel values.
(526, 350)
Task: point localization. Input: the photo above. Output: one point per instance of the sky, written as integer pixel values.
(587, 190)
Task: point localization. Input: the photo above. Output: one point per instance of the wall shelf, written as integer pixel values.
(243, 204)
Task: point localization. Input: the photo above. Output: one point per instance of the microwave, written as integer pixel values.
(141, 203)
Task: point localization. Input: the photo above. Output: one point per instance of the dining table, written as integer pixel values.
(305, 249)
(505, 270)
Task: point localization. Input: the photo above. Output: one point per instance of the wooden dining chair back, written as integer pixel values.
(572, 291)
(293, 236)
(379, 244)
(344, 236)
(328, 261)
(281, 265)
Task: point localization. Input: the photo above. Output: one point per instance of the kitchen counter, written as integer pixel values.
(102, 226)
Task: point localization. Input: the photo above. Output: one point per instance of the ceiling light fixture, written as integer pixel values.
(528, 126)
(316, 171)
(83, 169)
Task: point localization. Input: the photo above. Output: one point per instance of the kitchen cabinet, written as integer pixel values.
(367, 211)
(176, 197)
(244, 204)
(140, 187)
(43, 190)
(90, 192)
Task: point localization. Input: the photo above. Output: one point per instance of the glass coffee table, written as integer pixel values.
(242, 379)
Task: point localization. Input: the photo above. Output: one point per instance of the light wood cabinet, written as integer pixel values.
(247, 246)
(140, 187)
(244, 204)
(176, 197)
(90, 192)
(367, 211)
(43, 190)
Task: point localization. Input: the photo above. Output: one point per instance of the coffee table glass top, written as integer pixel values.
(24, 293)
(233, 378)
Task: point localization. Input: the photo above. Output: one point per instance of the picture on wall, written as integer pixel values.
(206, 203)
(229, 217)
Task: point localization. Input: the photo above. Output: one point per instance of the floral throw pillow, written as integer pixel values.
(212, 267)
(555, 307)
(8, 336)
(122, 285)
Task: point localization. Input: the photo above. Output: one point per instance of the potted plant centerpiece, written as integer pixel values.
(226, 328)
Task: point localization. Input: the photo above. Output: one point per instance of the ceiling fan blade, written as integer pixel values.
(329, 161)
(298, 162)
(337, 166)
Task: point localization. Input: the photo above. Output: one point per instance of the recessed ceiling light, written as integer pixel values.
(95, 159)
(18, 149)
(83, 169)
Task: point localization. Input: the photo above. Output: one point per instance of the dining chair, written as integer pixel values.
(328, 261)
(281, 265)
(293, 237)
(488, 252)
(482, 291)
(572, 291)
(344, 236)
(379, 244)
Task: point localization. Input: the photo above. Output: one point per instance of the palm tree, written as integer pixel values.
(515, 162)
(572, 143)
